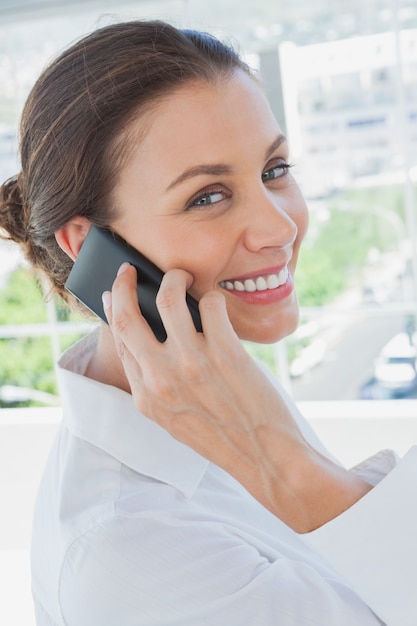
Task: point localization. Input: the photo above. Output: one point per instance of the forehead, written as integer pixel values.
(201, 118)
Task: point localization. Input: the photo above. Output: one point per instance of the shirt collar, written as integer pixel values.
(107, 418)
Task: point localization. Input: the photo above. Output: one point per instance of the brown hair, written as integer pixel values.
(73, 121)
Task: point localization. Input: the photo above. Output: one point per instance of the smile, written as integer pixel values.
(259, 283)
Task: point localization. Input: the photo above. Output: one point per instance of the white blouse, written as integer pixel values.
(132, 528)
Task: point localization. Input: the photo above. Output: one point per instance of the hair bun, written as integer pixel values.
(13, 213)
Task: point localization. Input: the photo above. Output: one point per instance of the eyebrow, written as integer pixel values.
(219, 169)
(275, 145)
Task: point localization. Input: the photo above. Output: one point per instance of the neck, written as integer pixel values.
(105, 365)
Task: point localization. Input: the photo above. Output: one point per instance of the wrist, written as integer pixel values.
(303, 487)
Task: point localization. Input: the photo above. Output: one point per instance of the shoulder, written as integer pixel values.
(173, 567)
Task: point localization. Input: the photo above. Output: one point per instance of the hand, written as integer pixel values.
(208, 393)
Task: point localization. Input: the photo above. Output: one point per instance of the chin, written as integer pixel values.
(271, 332)
(268, 327)
(269, 337)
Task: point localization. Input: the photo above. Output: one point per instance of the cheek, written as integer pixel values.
(202, 251)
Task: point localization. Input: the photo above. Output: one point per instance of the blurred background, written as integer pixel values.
(341, 78)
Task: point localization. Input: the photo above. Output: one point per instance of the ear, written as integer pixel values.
(70, 237)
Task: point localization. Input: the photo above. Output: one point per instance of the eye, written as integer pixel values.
(279, 170)
(208, 198)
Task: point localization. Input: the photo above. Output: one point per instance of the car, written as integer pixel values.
(396, 366)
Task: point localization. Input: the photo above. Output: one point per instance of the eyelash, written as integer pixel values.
(198, 201)
(282, 165)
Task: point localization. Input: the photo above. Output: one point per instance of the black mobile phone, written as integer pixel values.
(95, 269)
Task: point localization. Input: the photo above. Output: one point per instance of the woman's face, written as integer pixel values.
(207, 189)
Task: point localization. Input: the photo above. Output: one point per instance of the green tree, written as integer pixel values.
(22, 301)
(27, 362)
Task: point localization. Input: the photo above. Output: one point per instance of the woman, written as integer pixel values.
(184, 487)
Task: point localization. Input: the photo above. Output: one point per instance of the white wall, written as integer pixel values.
(352, 431)
(25, 437)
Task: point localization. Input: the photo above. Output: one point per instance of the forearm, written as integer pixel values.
(298, 484)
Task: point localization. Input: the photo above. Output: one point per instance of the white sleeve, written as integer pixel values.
(167, 571)
(373, 544)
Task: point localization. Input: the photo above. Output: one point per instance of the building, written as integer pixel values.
(351, 108)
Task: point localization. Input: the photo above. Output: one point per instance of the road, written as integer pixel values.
(349, 361)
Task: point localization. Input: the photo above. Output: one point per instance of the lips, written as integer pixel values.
(263, 282)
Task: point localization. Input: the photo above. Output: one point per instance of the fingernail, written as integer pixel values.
(106, 298)
(124, 266)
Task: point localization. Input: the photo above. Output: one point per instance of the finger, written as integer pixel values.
(107, 308)
(133, 371)
(127, 322)
(173, 309)
(215, 319)
(122, 349)
(130, 364)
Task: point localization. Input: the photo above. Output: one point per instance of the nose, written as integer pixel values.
(269, 223)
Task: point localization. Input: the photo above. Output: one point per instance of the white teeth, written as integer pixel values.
(250, 285)
(283, 275)
(273, 281)
(261, 283)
